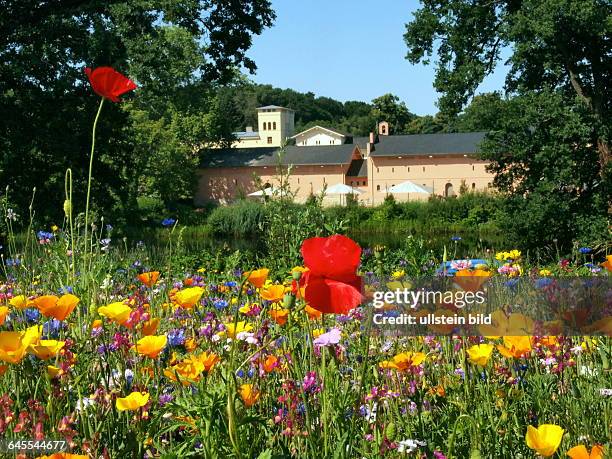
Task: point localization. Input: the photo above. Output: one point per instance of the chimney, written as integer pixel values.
(249, 129)
(383, 128)
(370, 144)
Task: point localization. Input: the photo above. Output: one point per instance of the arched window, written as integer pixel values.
(377, 187)
(473, 186)
(274, 126)
(448, 190)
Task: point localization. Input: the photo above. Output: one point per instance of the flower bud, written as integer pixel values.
(67, 207)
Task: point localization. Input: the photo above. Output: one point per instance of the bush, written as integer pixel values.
(242, 218)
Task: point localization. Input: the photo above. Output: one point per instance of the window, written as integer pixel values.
(393, 169)
(331, 142)
(473, 186)
(377, 170)
(384, 129)
(423, 168)
(489, 185)
(408, 168)
(298, 180)
(472, 167)
(274, 126)
(377, 187)
(364, 183)
(269, 140)
(323, 180)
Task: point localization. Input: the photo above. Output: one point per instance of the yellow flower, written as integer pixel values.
(132, 402)
(13, 344)
(232, 331)
(545, 272)
(580, 452)
(189, 370)
(151, 346)
(53, 371)
(398, 274)
(118, 312)
(502, 324)
(248, 307)
(249, 394)
(480, 354)
(54, 228)
(19, 302)
(189, 297)
(317, 332)
(272, 292)
(404, 361)
(46, 348)
(3, 313)
(58, 308)
(63, 455)
(545, 440)
(258, 277)
(208, 360)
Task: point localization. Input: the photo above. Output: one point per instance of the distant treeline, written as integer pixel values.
(353, 117)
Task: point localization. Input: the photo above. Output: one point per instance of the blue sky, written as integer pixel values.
(348, 50)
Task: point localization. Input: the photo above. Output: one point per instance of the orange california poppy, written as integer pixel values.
(249, 394)
(279, 315)
(151, 346)
(3, 313)
(118, 312)
(188, 297)
(270, 364)
(46, 348)
(580, 452)
(14, 344)
(149, 279)
(150, 326)
(58, 308)
(404, 361)
(471, 280)
(312, 313)
(272, 293)
(608, 263)
(258, 277)
(515, 346)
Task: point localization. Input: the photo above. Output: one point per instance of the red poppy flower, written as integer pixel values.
(331, 283)
(109, 83)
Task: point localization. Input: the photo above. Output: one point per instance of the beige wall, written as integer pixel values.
(226, 184)
(436, 173)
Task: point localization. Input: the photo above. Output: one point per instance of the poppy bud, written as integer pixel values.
(296, 274)
(67, 207)
(288, 301)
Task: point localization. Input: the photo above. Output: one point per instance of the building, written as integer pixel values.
(321, 157)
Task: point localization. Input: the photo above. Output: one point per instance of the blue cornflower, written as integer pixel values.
(230, 284)
(43, 235)
(176, 337)
(585, 250)
(65, 289)
(220, 304)
(168, 222)
(32, 314)
(455, 238)
(51, 328)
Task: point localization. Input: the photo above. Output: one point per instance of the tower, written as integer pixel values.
(275, 125)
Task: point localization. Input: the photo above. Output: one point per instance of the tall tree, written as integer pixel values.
(388, 107)
(176, 51)
(555, 44)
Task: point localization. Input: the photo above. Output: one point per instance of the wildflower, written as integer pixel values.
(404, 361)
(3, 313)
(312, 313)
(64, 456)
(58, 308)
(409, 446)
(118, 312)
(249, 394)
(176, 337)
(585, 250)
(150, 326)
(328, 339)
(13, 344)
(515, 346)
(232, 330)
(209, 360)
(545, 272)
(279, 315)
(471, 280)
(580, 452)
(545, 440)
(480, 354)
(270, 364)
(258, 277)
(45, 349)
(332, 285)
(398, 274)
(132, 402)
(455, 238)
(608, 263)
(168, 222)
(272, 293)
(164, 399)
(509, 325)
(108, 83)
(189, 297)
(151, 346)
(20, 302)
(149, 278)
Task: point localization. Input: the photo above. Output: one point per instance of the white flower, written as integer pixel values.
(605, 392)
(84, 402)
(409, 446)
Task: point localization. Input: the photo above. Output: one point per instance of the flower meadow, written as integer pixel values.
(139, 353)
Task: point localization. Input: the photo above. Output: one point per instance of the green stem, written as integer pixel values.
(91, 156)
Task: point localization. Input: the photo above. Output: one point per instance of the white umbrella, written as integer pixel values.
(341, 188)
(265, 192)
(407, 187)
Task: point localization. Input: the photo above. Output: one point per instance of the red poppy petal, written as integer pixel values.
(107, 82)
(334, 257)
(332, 297)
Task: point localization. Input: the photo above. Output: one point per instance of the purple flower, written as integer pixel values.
(328, 339)
(165, 398)
(176, 337)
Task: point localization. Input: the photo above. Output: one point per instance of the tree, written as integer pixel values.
(482, 114)
(389, 108)
(176, 51)
(556, 44)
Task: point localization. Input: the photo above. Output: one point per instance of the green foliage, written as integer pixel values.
(173, 50)
(389, 108)
(243, 218)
